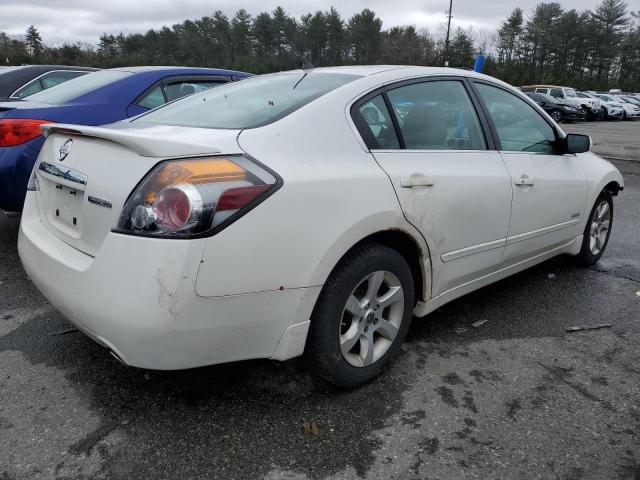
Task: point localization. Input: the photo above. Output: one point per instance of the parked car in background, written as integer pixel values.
(630, 99)
(94, 99)
(630, 110)
(569, 96)
(556, 109)
(20, 82)
(305, 212)
(610, 109)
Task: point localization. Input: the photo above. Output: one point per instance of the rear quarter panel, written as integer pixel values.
(333, 195)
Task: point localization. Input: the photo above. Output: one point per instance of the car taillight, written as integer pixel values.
(195, 197)
(14, 131)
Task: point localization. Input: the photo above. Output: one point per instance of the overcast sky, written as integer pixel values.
(84, 20)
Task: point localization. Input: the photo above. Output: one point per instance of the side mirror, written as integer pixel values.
(575, 143)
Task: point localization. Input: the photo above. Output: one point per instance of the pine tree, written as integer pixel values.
(33, 42)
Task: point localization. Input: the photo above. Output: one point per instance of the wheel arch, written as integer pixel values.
(395, 233)
(403, 237)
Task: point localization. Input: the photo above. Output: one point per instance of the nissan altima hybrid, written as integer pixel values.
(311, 212)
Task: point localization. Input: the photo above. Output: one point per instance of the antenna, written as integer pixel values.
(306, 65)
(446, 42)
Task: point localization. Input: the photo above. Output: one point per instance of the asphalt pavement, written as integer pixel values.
(516, 397)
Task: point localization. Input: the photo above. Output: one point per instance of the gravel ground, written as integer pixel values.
(514, 398)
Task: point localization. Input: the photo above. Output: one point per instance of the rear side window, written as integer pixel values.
(377, 126)
(154, 98)
(48, 80)
(519, 126)
(437, 115)
(161, 94)
(177, 90)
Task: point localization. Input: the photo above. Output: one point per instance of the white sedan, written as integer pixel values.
(307, 212)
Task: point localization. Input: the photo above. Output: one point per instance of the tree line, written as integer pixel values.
(597, 49)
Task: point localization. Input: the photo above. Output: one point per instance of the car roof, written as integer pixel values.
(48, 68)
(366, 70)
(544, 86)
(178, 70)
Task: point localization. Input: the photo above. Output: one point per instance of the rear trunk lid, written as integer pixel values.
(85, 174)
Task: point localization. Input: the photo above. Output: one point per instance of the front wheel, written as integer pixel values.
(362, 316)
(597, 231)
(587, 115)
(556, 115)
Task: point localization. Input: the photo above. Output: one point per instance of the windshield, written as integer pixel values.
(605, 98)
(76, 87)
(250, 103)
(570, 92)
(632, 100)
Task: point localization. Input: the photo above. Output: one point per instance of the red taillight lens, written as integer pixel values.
(185, 198)
(14, 131)
(237, 198)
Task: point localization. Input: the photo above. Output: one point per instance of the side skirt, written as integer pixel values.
(424, 308)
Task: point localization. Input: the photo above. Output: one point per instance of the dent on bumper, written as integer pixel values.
(137, 298)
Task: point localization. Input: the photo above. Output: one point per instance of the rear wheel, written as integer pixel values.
(362, 316)
(597, 231)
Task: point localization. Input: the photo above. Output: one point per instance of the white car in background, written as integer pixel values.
(308, 212)
(612, 108)
(568, 95)
(631, 109)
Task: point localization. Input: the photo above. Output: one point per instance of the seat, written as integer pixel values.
(425, 126)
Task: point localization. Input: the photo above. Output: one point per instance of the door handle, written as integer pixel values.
(524, 181)
(417, 180)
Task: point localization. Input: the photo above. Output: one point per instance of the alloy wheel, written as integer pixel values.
(556, 115)
(371, 318)
(599, 227)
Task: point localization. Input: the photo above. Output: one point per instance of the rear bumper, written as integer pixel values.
(137, 298)
(16, 164)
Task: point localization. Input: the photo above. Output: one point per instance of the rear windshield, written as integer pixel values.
(250, 103)
(78, 86)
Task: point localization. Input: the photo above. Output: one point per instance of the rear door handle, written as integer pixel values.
(524, 181)
(417, 180)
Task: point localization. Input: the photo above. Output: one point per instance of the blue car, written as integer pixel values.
(98, 98)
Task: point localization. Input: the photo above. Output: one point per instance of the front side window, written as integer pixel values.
(379, 130)
(252, 103)
(519, 126)
(437, 115)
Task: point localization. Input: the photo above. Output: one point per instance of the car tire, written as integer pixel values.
(348, 343)
(597, 231)
(556, 115)
(587, 115)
